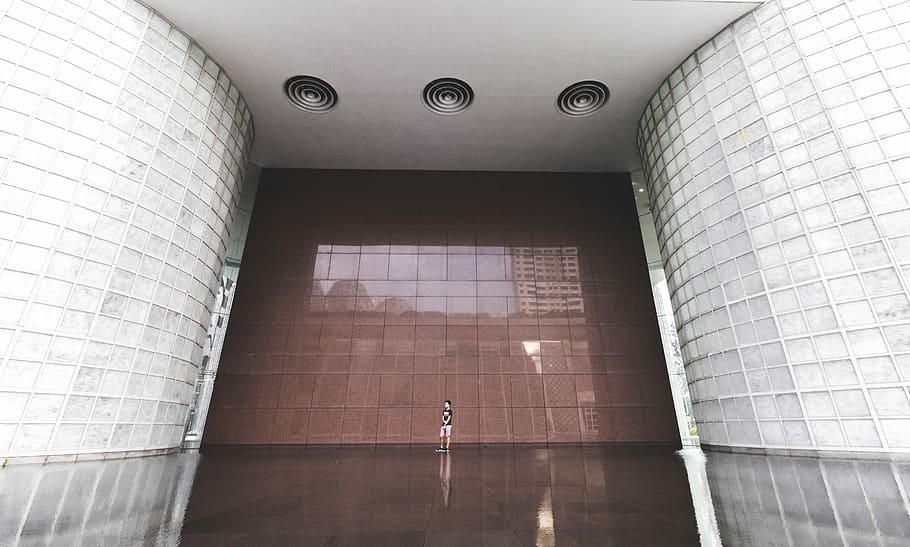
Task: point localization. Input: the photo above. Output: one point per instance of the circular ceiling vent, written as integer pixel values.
(447, 96)
(310, 93)
(582, 98)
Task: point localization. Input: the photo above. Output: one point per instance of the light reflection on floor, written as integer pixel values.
(776, 500)
(493, 496)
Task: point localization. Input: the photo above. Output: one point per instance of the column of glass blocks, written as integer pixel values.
(776, 157)
(122, 152)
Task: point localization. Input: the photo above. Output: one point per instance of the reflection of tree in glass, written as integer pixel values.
(340, 300)
(317, 289)
(398, 306)
(347, 287)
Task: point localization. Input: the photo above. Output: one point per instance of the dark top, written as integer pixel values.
(447, 417)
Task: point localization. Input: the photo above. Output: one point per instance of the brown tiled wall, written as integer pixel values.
(367, 298)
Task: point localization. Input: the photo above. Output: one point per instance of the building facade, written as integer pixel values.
(775, 165)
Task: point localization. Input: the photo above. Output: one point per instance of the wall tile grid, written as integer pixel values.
(366, 299)
(122, 151)
(777, 158)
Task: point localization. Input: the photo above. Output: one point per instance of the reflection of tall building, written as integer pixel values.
(547, 279)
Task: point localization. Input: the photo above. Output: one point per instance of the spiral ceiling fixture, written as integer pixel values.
(310, 93)
(448, 96)
(582, 98)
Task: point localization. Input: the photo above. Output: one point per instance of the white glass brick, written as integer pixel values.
(827, 433)
(867, 341)
(890, 401)
(789, 406)
(818, 404)
(850, 403)
(862, 433)
(31, 437)
(897, 433)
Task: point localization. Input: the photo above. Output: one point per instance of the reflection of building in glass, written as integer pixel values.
(547, 279)
(591, 421)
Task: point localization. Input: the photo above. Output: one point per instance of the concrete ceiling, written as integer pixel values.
(516, 54)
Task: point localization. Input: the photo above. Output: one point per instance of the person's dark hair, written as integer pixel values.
(450, 402)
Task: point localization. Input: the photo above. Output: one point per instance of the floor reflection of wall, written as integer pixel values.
(117, 502)
(366, 299)
(762, 500)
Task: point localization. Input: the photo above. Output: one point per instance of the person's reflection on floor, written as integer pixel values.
(445, 470)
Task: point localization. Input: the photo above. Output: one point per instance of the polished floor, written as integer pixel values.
(498, 496)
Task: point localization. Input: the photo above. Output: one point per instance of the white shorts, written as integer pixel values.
(445, 431)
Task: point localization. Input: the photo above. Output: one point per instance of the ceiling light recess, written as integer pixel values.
(582, 98)
(310, 93)
(448, 96)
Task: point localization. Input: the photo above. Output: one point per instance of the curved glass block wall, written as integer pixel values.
(122, 154)
(778, 159)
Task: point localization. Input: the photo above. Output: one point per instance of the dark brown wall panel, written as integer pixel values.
(367, 298)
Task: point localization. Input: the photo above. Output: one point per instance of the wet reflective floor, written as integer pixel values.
(471, 496)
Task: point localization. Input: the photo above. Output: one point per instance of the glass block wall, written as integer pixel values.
(778, 159)
(122, 152)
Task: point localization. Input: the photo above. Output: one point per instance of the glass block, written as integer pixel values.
(789, 406)
(772, 433)
(861, 433)
(859, 231)
(870, 84)
(870, 255)
(876, 176)
(785, 300)
(857, 133)
(867, 341)
(827, 240)
(895, 431)
(32, 437)
(30, 345)
(818, 404)
(891, 308)
(809, 376)
(797, 433)
(879, 103)
(773, 353)
(96, 436)
(898, 337)
(881, 281)
(19, 374)
(827, 433)
(850, 403)
(821, 319)
(846, 288)
(856, 313)
(12, 406)
(800, 349)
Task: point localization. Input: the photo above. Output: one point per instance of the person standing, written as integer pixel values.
(445, 431)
